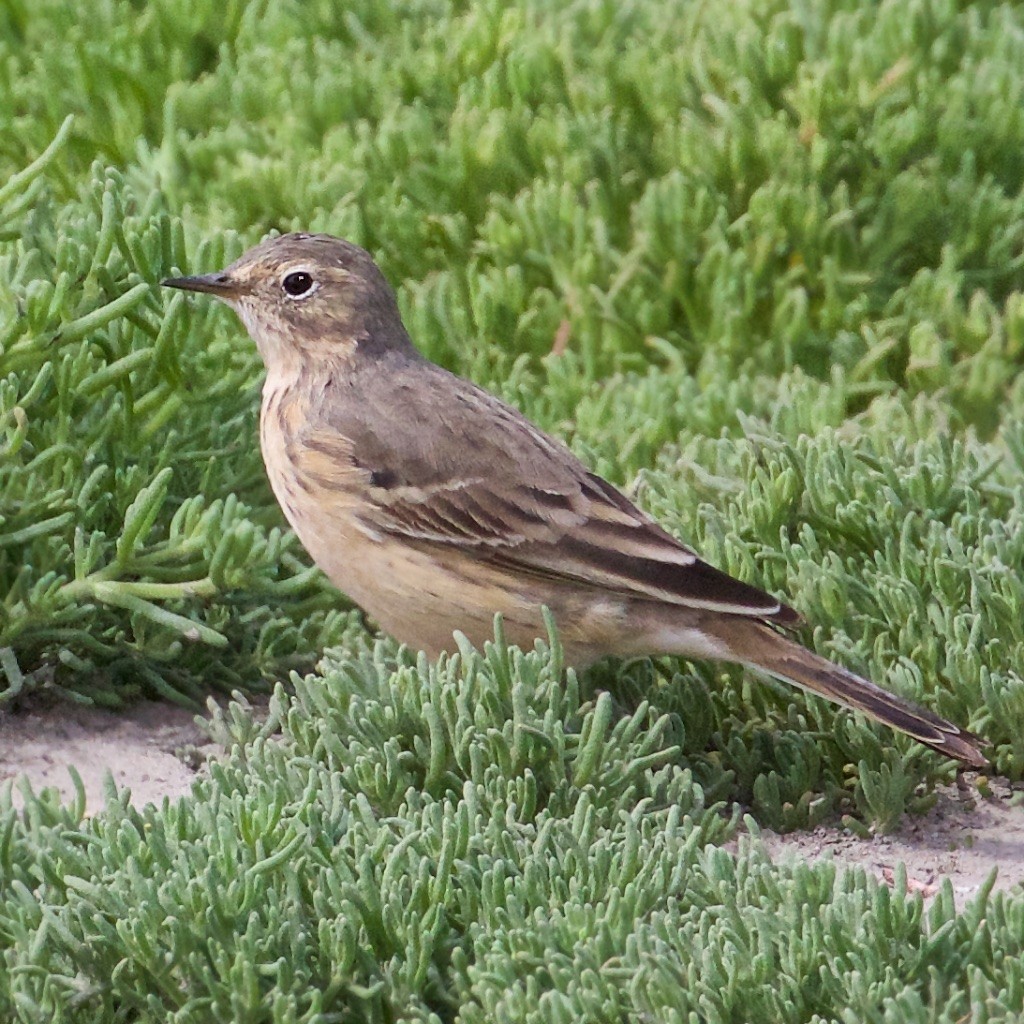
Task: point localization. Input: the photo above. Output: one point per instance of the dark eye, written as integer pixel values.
(298, 283)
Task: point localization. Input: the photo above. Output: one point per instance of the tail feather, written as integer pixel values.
(761, 647)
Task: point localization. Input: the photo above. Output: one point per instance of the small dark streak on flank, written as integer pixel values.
(289, 503)
(282, 419)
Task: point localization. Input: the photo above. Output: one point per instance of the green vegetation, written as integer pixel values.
(761, 264)
(465, 842)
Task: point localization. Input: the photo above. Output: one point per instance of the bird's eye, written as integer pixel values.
(297, 283)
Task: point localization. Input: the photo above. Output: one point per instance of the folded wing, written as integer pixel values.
(485, 479)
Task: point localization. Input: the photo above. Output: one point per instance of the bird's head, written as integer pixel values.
(308, 298)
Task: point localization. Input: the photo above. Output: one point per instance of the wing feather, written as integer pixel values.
(492, 483)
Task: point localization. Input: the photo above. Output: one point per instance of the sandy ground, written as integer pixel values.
(962, 838)
(156, 750)
(151, 748)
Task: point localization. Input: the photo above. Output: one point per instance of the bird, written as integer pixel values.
(435, 505)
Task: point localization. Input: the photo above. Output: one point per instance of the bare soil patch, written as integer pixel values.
(151, 748)
(962, 838)
(157, 751)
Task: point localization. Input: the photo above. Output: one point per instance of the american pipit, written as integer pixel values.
(435, 505)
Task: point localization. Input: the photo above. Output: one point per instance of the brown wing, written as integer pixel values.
(454, 466)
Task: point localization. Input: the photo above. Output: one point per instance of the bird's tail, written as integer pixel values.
(761, 647)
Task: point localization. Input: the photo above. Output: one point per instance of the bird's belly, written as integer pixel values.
(423, 595)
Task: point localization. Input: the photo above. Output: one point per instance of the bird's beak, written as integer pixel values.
(219, 284)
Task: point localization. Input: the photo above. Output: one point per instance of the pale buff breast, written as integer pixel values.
(320, 516)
